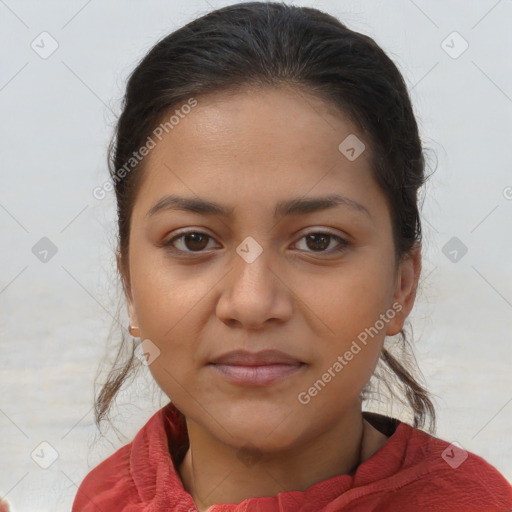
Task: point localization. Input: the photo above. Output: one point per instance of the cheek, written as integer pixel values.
(349, 299)
(347, 355)
(166, 294)
(349, 307)
(172, 310)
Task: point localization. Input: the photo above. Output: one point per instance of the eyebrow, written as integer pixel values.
(284, 208)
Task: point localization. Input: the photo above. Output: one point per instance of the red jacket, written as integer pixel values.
(412, 471)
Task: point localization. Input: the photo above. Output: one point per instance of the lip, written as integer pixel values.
(260, 375)
(263, 357)
(256, 369)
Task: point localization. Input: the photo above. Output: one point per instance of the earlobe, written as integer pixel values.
(405, 288)
(134, 323)
(134, 331)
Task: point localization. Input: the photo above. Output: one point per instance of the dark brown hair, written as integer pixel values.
(273, 44)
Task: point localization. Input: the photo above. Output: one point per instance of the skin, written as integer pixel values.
(249, 150)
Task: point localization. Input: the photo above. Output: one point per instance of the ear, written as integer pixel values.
(125, 278)
(405, 288)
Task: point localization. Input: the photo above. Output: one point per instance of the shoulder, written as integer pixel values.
(427, 473)
(117, 481)
(446, 473)
(106, 484)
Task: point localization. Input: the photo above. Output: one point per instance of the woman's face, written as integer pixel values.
(256, 278)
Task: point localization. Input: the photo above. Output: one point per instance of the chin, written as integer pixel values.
(267, 428)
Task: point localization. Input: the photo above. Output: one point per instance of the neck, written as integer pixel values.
(213, 472)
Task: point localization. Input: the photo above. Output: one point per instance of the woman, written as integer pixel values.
(266, 167)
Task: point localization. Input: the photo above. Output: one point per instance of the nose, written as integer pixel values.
(254, 293)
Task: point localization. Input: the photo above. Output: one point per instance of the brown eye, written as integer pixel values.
(319, 242)
(195, 241)
(192, 241)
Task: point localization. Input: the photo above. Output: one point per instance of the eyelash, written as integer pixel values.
(344, 244)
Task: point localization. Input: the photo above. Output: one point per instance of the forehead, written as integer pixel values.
(257, 144)
(286, 122)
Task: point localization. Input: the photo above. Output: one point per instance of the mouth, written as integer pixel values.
(256, 375)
